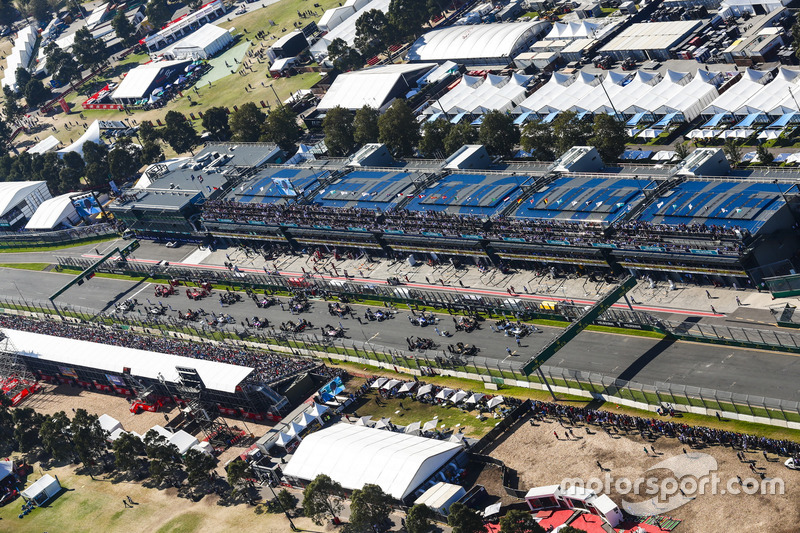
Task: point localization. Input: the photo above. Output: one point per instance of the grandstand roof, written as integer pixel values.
(217, 376)
(474, 42)
(718, 203)
(470, 193)
(372, 86)
(585, 199)
(13, 192)
(356, 455)
(53, 212)
(269, 187)
(368, 189)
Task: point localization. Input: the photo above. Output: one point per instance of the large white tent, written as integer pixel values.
(372, 86)
(557, 84)
(48, 144)
(140, 81)
(206, 42)
(566, 98)
(751, 83)
(489, 43)
(53, 212)
(345, 29)
(356, 455)
(775, 98)
(691, 98)
(92, 134)
(20, 56)
(26, 196)
(574, 30)
(479, 95)
(648, 102)
(152, 365)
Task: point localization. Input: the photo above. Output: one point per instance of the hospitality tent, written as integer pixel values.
(283, 440)
(494, 402)
(6, 469)
(345, 29)
(751, 82)
(183, 441)
(42, 490)
(383, 423)
(392, 383)
(54, 212)
(775, 98)
(459, 396)
(92, 134)
(109, 423)
(140, 82)
(444, 394)
(408, 386)
(475, 398)
(414, 427)
(294, 429)
(568, 99)
(690, 100)
(478, 95)
(48, 144)
(307, 419)
(425, 389)
(600, 99)
(378, 383)
(318, 410)
(372, 86)
(364, 420)
(354, 456)
(573, 30)
(206, 42)
(430, 425)
(557, 84)
(659, 94)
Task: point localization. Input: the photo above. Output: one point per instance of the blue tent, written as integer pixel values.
(785, 120)
(751, 119)
(635, 119)
(478, 121)
(715, 120)
(435, 117)
(664, 122)
(550, 118)
(523, 118)
(456, 119)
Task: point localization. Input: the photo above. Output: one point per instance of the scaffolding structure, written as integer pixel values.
(192, 390)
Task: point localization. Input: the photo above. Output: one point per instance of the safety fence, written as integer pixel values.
(492, 371)
(13, 240)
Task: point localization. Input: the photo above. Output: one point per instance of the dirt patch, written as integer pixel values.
(541, 459)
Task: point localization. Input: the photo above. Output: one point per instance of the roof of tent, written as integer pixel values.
(13, 192)
(183, 441)
(43, 484)
(92, 134)
(476, 95)
(692, 97)
(569, 97)
(356, 455)
(573, 30)
(371, 86)
(52, 212)
(137, 81)
(473, 41)
(109, 423)
(152, 365)
(346, 29)
(658, 94)
(751, 82)
(47, 144)
(557, 84)
(6, 468)
(204, 37)
(773, 94)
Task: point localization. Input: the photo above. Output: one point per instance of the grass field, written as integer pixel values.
(26, 266)
(95, 506)
(451, 417)
(47, 248)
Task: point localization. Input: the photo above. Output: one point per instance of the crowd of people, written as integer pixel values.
(268, 367)
(629, 234)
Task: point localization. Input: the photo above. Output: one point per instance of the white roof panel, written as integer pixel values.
(356, 455)
(651, 35)
(47, 144)
(139, 79)
(13, 192)
(216, 376)
(52, 212)
(473, 42)
(372, 86)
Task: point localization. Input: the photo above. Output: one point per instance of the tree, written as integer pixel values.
(95, 155)
(283, 501)
(733, 152)
(570, 529)
(27, 424)
(432, 140)
(538, 139)
(322, 497)
(344, 57)
(682, 150)
(61, 65)
(90, 52)
(179, 133)
(124, 160)
(608, 137)
(148, 133)
(245, 123)
(7, 440)
(374, 32)
(458, 136)
(36, 93)
(238, 472)
(464, 520)
(40, 10)
(369, 506)
(281, 128)
(22, 76)
(764, 155)
(124, 29)
(11, 108)
(55, 435)
(407, 17)
(516, 521)
(215, 121)
(498, 133)
(5, 138)
(88, 436)
(151, 153)
(365, 126)
(569, 132)
(338, 128)
(69, 177)
(157, 13)
(418, 519)
(164, 458)
(796, 38)
(128, 448)
(198, 466)
(398, 129)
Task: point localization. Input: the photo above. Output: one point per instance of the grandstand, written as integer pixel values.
(278, 185)
(473, 193)
(380, 190)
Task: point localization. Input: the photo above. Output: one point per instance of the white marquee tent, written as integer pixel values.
(20, 56)
(574, 30)
(751, 83)
(206, 42)
(47, 144)
(649, 101)
(345, 29)
(557, 85)
(356, 455)
(372, 86)
(691, 98)
(92, 133)
(775, 98)
(53, 212)
(478, 95)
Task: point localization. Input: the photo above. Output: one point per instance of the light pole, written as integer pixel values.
(294, 528)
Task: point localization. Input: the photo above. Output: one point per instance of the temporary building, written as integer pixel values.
(774, 98)
(430, 425)
(459, 396)
(48, 144)
(372, 86)
(478, 95)
(378, 383)
(425, 389)
(692, 98)
(42, 490)
(574, 30)
(441, 496)
(204, 447)
(283, 439)
(317, 410)
(53, 213)
(648, 102)
(392, 383)
(140, 81)
(751, 82)
(485, 44)
(307, 419)
(408, 386)
(413, 428)
(345, 29)
(294, 429)
(355, 455)
(557, 84)
(206, 42)
(20, 56)
(20, 199)
(439, 73)
(183, 441)
(494, 402)
(6, 469)
(109, 423)
(444, 394)
(335, 16)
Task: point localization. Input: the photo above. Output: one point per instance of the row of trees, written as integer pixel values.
(398, 129)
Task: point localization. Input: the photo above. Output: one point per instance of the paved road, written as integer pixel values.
(632, 358)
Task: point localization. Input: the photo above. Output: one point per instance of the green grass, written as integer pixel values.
(72, 270)
(185, 523)
(26, 266)
(50, 248)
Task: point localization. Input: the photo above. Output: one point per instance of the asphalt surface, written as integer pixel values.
(639, 359)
